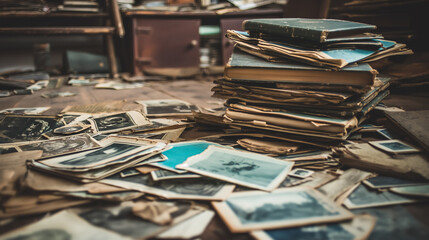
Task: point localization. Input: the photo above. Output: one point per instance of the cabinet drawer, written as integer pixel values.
(166, 43)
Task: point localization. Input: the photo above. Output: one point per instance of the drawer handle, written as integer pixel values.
(194, 43)
(143, 60)
(143, 30)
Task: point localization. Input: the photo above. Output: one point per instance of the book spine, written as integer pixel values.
(286, 31)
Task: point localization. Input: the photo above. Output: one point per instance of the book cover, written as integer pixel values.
(314, 30)
(245, 66)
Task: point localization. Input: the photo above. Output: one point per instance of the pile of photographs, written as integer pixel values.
(103, 171)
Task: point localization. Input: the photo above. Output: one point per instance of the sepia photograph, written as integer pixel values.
(293, 207)
(394, 146)
(197, 189)
(119, 121)
(239, 167)
(62, 146)
(167, 107)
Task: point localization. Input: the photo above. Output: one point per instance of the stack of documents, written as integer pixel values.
(307, 77)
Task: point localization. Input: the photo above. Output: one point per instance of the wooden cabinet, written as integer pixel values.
(171, 39)
(165, 43)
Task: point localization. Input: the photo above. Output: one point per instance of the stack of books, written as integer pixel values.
(304, 77)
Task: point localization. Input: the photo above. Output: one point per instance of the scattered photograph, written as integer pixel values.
(300, 173)
(62, 146)
(118, 122)
(293, 207)
(167, 107)
(129, 172)
(179, 152)
(21, 128)
(383, 132)
(359, 228)
(118, 85)
(365, 197)
(240, 167)
(159, 124)
(71, 129)
(58, 94)
(8, 149)
(418, 191)
(5, 93)
(121, 219)
(35, 110)
(381, 181)
(394, 146)
(159, 175)
(99, 157)
(196, 189)
(62, 225)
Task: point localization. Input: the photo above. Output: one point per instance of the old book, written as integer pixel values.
(313, 30)
(412, 124)
(252, 68)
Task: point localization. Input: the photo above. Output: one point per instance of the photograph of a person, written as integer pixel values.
(64, 145)
(119, 121)
(243, 168)
(19, 128)
(293, 207)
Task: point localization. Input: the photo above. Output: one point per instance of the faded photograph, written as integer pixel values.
(21, 128)
(111, 122)
(62, 146)
(261, 208)
(111, 151)
(242, 168)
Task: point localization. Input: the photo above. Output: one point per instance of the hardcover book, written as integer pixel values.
(312, 30)
(249, 67)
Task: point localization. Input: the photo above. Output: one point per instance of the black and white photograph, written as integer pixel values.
(365, 197)
(394, 146)
(122, 220)
(167, 107)
(64, 145)
(106, 154)
(301, 173)
(21, 128)
(119, 121)
(71, 129)
(63, 225)
(358, 228)
(35, 110)
(382, 181)
(161, 174)
(293, 207)
(385, 133)
(197, 189)
(239, 167)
